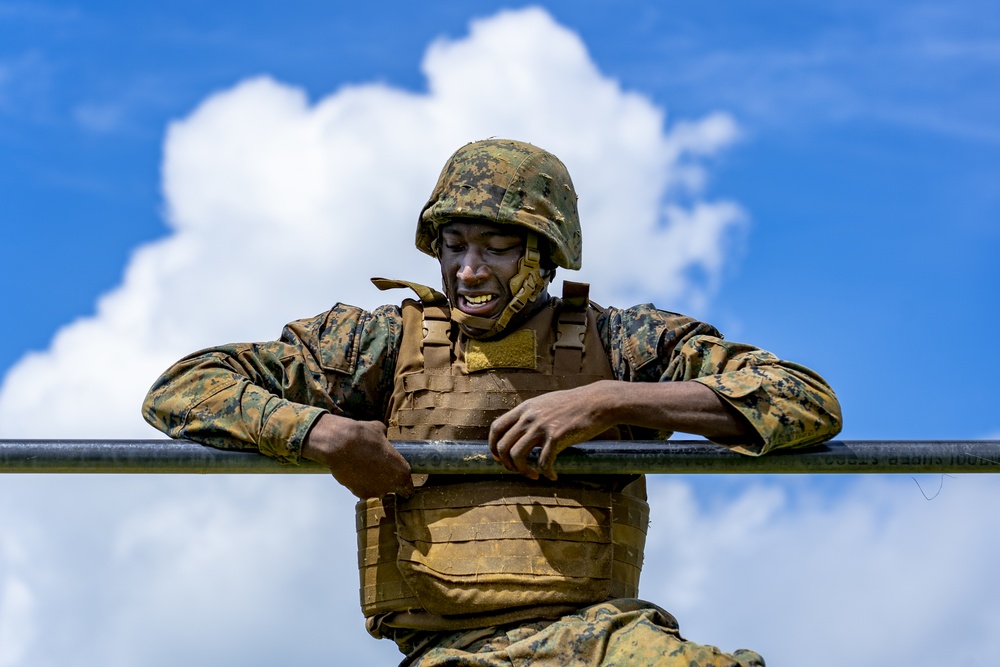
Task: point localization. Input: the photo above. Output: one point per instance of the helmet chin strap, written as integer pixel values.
(525, 287)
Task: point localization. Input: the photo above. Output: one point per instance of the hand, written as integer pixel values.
(552, 421)
(359, 456)
(556, 420)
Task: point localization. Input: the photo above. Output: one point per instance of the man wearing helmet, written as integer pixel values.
(536, 569)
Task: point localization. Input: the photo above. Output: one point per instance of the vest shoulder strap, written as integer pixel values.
(571, 327)
(427, 295)
(435, 343)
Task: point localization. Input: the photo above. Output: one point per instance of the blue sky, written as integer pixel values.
(845, 155)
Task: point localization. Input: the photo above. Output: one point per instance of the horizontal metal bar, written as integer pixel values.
(473, 458)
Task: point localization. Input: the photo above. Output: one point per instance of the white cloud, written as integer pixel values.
(191, 570)
(278, 207)
(17, 623)
(274, 202)
(875, 575)
(261, 570)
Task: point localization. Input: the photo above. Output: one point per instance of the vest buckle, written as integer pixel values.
(436, 332)
(570, 335)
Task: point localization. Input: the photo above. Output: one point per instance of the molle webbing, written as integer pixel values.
(382, 586)
(437, 397)
(427, 409)
(493, 545)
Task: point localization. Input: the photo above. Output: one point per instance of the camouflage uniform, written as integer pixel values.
(618, 633)
(266, 396)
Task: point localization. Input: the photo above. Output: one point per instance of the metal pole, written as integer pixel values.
(473, 458)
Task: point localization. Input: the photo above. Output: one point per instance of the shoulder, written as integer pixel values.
(343, 335)
(642, 335)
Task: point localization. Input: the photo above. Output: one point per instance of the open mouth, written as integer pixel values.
(478, 304)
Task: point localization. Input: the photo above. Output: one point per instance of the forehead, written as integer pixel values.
(474, 229)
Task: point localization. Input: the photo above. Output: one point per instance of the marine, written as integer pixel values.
(535, 569)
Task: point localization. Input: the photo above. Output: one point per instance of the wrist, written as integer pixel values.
(612, 404)
(321, 443)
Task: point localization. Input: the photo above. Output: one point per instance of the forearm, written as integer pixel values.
(216, 399)
(688, 407)
(785, 404)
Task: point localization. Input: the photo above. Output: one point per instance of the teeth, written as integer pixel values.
(478, 300)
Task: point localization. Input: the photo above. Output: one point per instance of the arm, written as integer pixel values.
(675, 374)
(315, 393)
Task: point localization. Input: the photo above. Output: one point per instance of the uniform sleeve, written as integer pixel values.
(266, 396)
(787, 405)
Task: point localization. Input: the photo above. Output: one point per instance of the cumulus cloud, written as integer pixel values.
(871, 575)
(17, 627)
(191, 570)
(278, 206)
(260, 570)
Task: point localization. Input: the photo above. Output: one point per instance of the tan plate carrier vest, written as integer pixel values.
(461, 553)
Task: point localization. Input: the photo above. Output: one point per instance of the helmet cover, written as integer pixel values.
(506, 182)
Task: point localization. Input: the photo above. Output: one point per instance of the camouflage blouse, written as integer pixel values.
(266, 396)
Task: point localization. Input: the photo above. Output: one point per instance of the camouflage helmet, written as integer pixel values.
(510, 183)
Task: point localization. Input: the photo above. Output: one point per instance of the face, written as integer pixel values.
(477, 262)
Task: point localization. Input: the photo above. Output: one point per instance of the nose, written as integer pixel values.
(472, 269)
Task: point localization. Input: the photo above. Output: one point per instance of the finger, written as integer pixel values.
(511, 428)
(406, 490)
(508, 433)
(498, 428)
(510, 438)
(547, 461)
(521, 451)
(400, 481)
(397, 460)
